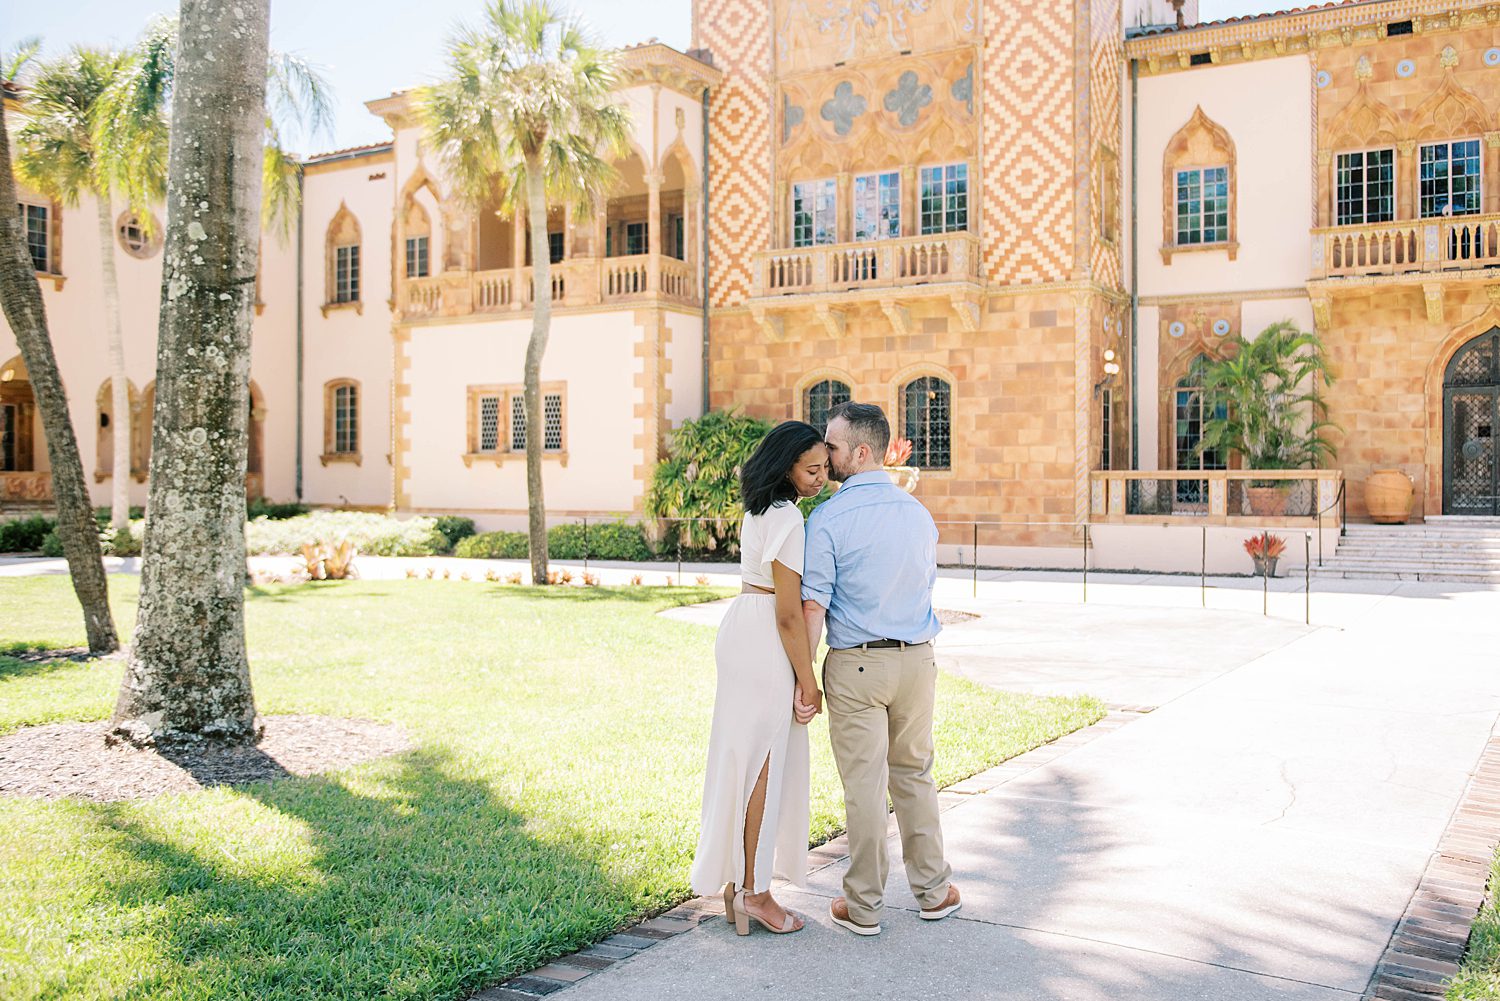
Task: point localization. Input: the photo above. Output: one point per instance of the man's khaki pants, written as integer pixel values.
(880, 722)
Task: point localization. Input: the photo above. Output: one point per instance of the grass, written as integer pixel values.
(1479, 977)
(552, 797)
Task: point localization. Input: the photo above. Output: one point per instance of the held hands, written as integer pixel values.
(804, 709)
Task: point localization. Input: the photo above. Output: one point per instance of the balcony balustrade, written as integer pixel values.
(1296, 497)
(1414, 245)
(904, 262)
(586, 281)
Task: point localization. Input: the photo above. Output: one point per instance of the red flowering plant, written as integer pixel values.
(1265, 546)
(899, 452)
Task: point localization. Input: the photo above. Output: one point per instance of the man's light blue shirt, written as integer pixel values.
(871, 560)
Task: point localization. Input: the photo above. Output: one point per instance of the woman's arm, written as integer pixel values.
(793, 629)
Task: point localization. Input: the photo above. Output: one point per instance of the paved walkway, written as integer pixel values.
(1257, 835)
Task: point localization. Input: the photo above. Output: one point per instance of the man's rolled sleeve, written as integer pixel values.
(818, 573)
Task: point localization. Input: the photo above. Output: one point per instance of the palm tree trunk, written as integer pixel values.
(541, 322)
(21, 297)
(119, 385)
(188, 677)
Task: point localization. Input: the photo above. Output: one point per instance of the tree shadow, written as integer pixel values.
(40, 662)
(419, 880)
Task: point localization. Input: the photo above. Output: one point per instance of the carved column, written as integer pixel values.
(518, 259)
(911, 204)
(1491, 173)
(653, 232)
(1326, 189)
(1406, 179)
(568, 232)
(843, 208)
(781, 218)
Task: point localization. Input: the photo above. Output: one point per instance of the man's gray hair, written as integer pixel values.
(867, 425)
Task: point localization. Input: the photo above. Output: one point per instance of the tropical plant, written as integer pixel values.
(1265, 546)
(1264, 401)
(75, 535)
(329, 560)
(697, 486)
(64, 154)
(188, 678)
(528, 112)
(899, 452)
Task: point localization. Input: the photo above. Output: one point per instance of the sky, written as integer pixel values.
(368, 48)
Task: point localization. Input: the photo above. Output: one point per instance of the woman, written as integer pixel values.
(755, 795)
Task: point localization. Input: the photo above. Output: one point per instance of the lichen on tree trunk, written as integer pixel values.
(188, 677)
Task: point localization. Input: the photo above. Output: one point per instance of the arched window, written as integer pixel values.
(1189, 413)
(341, 421)
(925, 418)
(819, 398)
(418, 230)
(1198, 189)
(104, 448)
(343, 259)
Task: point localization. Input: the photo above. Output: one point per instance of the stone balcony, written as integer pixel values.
(889, 274)
(1432, 254)
(579, 282)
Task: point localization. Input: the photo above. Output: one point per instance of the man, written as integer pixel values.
(869, 569)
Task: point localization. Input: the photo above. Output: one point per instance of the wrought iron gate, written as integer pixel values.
(1471, 421)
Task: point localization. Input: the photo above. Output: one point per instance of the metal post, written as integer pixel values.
(976, 559)
(1320, 537)
(585, 547)
(1307, 577)
(1085, 562)
(679, 555)
(1203, 570)
(1265, 580)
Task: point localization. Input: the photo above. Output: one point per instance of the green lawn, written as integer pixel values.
(1479, 977)
(552, 796)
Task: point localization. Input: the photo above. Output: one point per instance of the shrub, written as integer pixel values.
(494, 546)
(371, 534)
(123, 542)
(262, 508)
(101, 515)
(25, 535)
(609, 540)
(699, 478)
(454, 528)
(52, 545)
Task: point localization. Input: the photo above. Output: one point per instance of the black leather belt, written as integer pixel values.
(885, 645)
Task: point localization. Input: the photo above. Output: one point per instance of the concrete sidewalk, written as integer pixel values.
(1257, 836)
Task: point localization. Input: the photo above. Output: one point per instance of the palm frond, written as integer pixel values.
(298, 93)
(281, 194)
(18, 57)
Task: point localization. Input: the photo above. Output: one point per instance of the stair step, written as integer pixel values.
(1441, 576)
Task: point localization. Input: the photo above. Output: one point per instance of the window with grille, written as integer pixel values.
(822, 397)
(1190, 413)
(814, 213)
(877, 206)
(7, 437)
(518, 423)
(133, 236)
(345, 420)
(1366, 187)
(1202, 206)
(38, 242)
(1449, 178)
(925, 419)
(417, 262)
(552, 436)
(555, 247)
(945, 198)
(636, 238)
(489, 424)
(346, 274)
(675, 234)
(1106, 427)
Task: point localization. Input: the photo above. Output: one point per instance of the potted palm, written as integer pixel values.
(1263, 404)
(896, 458)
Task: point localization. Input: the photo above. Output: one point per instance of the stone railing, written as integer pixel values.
(1264, 497)
(584, 281)
(912, 260)
(1390, 248)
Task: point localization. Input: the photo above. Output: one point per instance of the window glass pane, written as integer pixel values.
(34, 219)
(925, 420)
(877, 206)
(416, 257)
(489, 423)
(1106, 414)
(1448, 178)
(555, 247)
(345, 420)
(825, 215)
(346, 274)
(7, 438)
(821, 398)
(552, 422)
(518, 424)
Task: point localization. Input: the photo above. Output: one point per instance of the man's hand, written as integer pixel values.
(803, 710)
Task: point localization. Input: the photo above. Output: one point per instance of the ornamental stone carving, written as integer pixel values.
(908, 99)
(791, 117)
(963, 88)
(843, 108)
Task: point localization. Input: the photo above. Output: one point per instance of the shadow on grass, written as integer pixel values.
(41, 662)
(428, 885)
(687, 594)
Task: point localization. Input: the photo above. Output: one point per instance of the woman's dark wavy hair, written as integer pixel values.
(764, 476)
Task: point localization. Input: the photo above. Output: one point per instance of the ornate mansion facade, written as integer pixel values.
(1021, 227)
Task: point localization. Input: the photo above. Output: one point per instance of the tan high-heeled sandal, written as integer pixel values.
(729, 902)
(742, 919)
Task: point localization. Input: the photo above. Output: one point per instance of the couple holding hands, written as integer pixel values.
(865, 564)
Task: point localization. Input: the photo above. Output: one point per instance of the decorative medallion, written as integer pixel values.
(1106, 324)
(1405, 68)
(791, 117)
(908, 99)
(1221, 327)
(1176, 328)
(1492, 57)
(843, 108)
(1449, 57)
(963, 88)
(1362, 69)
(1473, 450)
(1324, 78)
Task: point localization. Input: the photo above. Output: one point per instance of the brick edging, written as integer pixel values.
(1428, 944)
(565, 971)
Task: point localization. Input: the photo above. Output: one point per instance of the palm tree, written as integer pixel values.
(528, 113)
(62, 157)
(1265, 402)
(188, 677)
(21, 298)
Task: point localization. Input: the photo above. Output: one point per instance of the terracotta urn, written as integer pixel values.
(1388, 496)
(1267, 502)
(904, 477)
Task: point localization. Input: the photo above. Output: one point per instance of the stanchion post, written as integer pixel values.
(976, 559)
(1085, 562)
(585, 546)
(1203, 570)
(679, 555)
(1265, 580)
(1307, 577)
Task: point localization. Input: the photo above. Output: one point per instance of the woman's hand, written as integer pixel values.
(804, 709)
